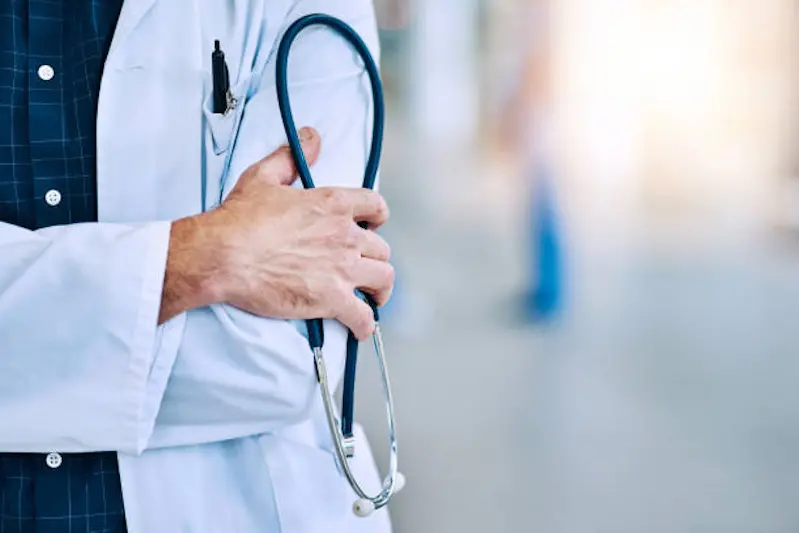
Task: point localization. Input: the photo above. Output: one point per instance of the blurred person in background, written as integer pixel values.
(393, 14)
(527, 127)
(151, 379)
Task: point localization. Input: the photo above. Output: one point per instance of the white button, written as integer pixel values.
(52, 197)
(54, 460)
(46, 72)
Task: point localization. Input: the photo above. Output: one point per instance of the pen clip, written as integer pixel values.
(231, 100)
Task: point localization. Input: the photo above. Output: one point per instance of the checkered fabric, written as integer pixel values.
(47, 126)
(51, 57)
(82, 495)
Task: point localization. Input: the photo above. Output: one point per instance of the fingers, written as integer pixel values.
(373, 245)
(375, 278)
(358, 317)
(370, 207)
(364, 205)
(278, 167)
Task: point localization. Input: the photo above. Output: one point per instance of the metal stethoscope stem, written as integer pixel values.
(341, 431)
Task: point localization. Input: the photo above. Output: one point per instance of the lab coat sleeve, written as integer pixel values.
(79, 310)
(237, 374)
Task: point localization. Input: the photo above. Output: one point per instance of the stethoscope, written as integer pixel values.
(343, 438)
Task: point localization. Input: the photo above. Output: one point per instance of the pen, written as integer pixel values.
(221, 78)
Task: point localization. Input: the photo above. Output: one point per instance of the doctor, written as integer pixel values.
(151, 261)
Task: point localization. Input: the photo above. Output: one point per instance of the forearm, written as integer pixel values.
(81, 344)
(237, 375)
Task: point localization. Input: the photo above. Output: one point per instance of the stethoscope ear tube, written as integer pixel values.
(342, 436)
(282, 85)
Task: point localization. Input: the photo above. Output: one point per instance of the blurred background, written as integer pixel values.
(595, 220)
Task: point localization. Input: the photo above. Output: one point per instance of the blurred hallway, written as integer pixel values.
(664, 401)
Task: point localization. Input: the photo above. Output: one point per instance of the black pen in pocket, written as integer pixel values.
(221, 78)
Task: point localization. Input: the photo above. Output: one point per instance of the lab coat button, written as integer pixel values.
(46, 72)
(52, 197)
(54, 460)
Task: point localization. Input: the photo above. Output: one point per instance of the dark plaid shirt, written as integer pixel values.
(51, 57)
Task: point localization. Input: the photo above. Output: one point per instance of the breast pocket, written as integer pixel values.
(221, 130)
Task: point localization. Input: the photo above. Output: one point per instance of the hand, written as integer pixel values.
(289, 253)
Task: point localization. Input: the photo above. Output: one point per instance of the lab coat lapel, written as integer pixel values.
(132, 13)
(149, 119)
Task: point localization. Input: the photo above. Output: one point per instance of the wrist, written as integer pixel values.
(194, 273)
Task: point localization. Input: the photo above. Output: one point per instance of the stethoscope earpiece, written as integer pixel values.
(399, 482)
(363, 507)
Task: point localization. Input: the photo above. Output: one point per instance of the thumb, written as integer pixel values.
(278, 167)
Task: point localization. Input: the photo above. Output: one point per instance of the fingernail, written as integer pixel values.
(305, 134)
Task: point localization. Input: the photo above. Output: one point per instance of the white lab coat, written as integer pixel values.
(215, 414)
